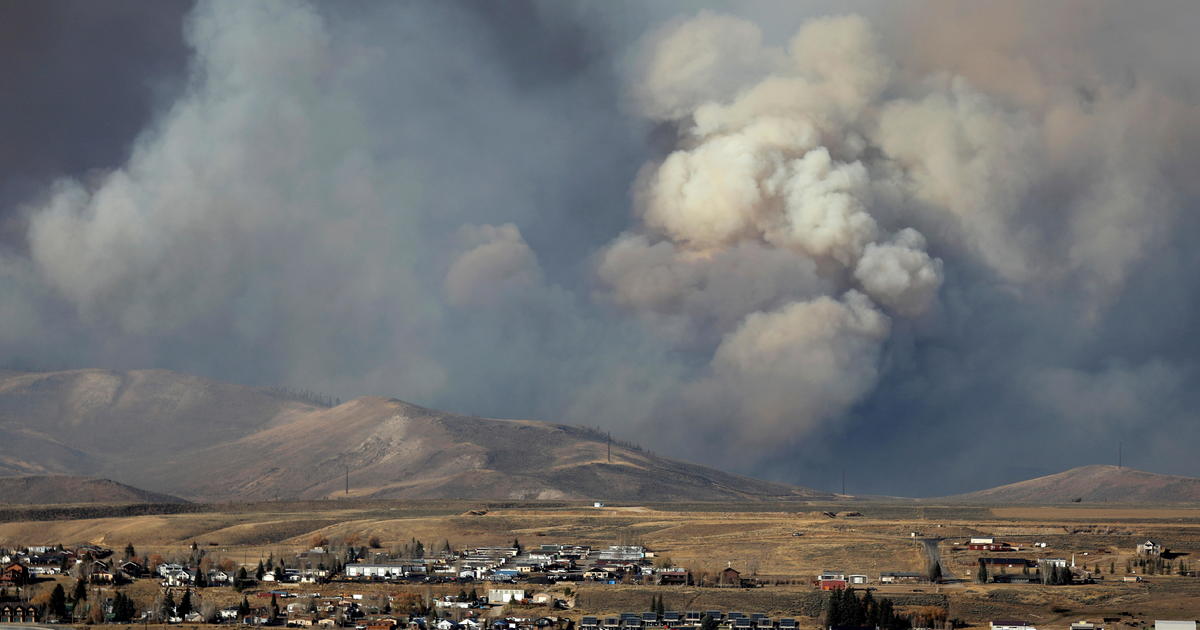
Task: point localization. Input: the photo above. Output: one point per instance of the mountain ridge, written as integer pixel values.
(62, 489)
(1096, 483)
(207, 440)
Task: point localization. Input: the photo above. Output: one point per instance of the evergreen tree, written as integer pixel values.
(274, 607)
(80, 593)
(185, 604)
(58, 602)
(708, 623)
(517, 545)
(167, 610)
(123, 609)
(871, 609)
(243, 609)
(260, 571)
(833, 609)
(240, 578)
(982, 575)
(129, 552)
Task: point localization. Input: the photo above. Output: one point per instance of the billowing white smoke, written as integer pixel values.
(775, 171)
(370, 199)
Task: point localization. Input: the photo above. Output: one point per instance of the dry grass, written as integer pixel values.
(758, 541)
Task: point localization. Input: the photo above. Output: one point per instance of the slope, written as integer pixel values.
(202, 439)
(1092, 484)
(52, 489)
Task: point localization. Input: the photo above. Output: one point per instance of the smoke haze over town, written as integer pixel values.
(781, 239)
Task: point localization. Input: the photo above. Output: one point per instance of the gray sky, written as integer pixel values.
(938, 248)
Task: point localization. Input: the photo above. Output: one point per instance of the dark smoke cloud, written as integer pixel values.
(937, 248)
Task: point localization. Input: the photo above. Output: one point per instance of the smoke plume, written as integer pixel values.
(771, 238)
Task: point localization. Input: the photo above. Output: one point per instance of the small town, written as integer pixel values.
(516, 587)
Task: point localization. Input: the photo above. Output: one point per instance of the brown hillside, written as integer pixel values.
(52, 489)
(201, 439)
(1093, 484)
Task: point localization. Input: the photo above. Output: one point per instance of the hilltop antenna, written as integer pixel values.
(1119, 462)
(843, 482)
(610, 447)
(347, 480)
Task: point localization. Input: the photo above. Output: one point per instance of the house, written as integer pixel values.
(832, 580)
(1149, 548)
(1085, 625)
(1174, 625)
(1009, 624)
(857, 579)
(991, 545)
(674, 576)
(729, 576)
(19, 613)
(132, 569)
(383, 570)
(15, 574)
(1005, 563)
(504, 595)
(901, 577)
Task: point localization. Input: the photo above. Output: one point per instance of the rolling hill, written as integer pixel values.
(201, 439)
(1092, 484)
(44, 489)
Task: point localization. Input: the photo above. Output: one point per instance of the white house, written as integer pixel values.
(390, 569)
(504, 595)
(1149, 548)
(1011, 625)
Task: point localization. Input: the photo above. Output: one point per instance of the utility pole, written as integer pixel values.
(347, 480)
(843, 482)
(610, 447)
(1119, 454)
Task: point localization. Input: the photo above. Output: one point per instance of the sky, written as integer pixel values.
(935, 246)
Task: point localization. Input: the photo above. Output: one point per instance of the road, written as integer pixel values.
(935, 556)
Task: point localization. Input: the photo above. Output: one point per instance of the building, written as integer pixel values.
(729, 576)
(14, 574)
(505, 595)
(1149, 548)
(901, 577)
(832, 581)
(857, 579)
(1011, 624)
(382, 570)
(19, 613)
(1174, 625)
(989, 546)
(1005, 563)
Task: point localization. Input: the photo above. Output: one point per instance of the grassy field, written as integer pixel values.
(759, 540)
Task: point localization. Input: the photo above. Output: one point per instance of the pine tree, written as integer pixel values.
(58, 602)
(517, 545)
(982, 575)
(167, 610)
(260, 571)
(80, 593)
(833, 609)
(185, 604)
(871, 608)
(129, 551)
(708, 623)
(243, 609)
